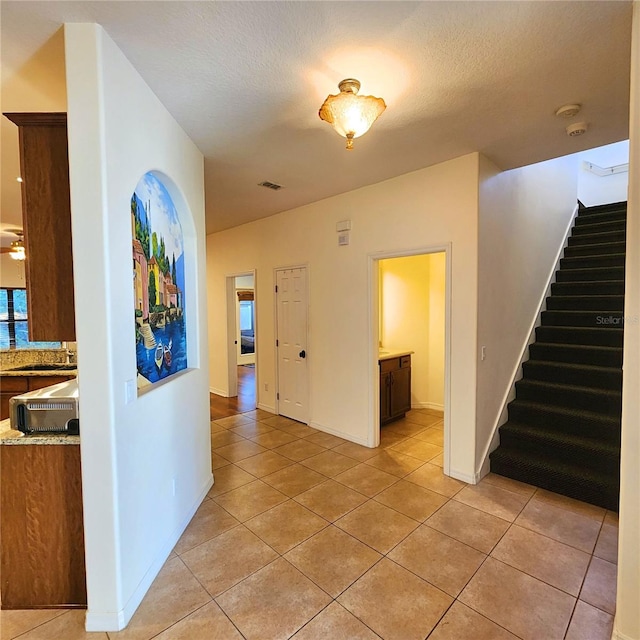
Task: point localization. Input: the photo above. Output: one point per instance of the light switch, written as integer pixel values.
(129, 391)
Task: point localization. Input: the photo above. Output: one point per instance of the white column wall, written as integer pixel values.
(627, 620)
(133, 455)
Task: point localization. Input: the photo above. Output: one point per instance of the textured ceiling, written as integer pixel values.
(245, 80)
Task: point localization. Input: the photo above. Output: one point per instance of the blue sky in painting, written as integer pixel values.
(163, 215)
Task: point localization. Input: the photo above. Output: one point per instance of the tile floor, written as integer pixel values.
(307, 536)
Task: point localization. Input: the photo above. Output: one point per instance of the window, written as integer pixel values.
(14, 333)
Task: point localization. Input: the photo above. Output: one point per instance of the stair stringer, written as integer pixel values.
(510, 393)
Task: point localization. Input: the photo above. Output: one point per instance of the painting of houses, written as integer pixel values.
(158, 282)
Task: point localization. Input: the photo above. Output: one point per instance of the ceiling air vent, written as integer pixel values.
(270, 185)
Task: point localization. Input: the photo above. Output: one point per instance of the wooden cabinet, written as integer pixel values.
(42, 558)
(395, 388)
(17, 385)
(46, 215)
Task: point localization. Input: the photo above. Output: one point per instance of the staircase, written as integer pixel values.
(563, 432)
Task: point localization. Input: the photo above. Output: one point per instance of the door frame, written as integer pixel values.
(304, 266)
(373, 436)
(232, 330)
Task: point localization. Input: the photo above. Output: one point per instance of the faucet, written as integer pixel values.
(70, 351)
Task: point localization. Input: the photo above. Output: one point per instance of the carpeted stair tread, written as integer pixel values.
(601, 274)
(564, 447)
(588, 287)
(601, 489)
(579, 422)
(594, 218)
(569, 373)
(563, 430)
(595, 238)
(598, 355)
(599, 248)
(603, 208)
(599, 227)
(585, 303)
(591, 318)
(608, 337)
(585, 262)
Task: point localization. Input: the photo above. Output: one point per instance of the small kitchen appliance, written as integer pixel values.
(53, 409)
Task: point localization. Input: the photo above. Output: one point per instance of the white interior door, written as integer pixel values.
(291, 305)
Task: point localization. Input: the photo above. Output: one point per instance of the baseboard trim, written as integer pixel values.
(428, 405)
(118, 620)
(340, 434)
(219, 392)
(510, 393)
(618, 635)
(266, 407)
(464, 477)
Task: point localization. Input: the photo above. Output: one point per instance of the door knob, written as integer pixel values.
(303, 354)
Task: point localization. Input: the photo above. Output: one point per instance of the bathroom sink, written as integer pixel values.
(45, 367)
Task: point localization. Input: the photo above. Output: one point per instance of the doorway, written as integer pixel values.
(291, 343)
(242, 343)
(410, 319)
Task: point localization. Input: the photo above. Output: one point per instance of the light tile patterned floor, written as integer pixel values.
(307, 536)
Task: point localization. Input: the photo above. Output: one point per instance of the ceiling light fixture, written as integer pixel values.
(17, 249)
(351, 115)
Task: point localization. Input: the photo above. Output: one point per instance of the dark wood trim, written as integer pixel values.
(37, 119)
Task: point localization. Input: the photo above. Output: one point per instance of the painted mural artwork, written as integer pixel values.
(158, 282)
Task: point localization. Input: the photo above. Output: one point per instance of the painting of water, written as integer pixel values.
(158, 282)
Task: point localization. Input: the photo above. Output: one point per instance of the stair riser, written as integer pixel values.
(586, 229)
(585, 457)
(576, 355)
(587, 288)
(581, 275)
(616, 260)
(612, 216)
(595, 249)
(595, 238)
(585, 303)
(590, 401)
(605, 497)
(571, 335)
(605, 429)
(537, 371)
(591, 319)
(604, 208)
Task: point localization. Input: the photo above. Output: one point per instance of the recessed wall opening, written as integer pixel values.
(241, 325)
(409, 325)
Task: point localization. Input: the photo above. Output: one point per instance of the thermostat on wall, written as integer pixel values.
(343, 225)
(343, 239)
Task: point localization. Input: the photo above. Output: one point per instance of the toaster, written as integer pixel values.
(52, 409)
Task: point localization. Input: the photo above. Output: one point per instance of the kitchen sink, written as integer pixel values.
(45, 367)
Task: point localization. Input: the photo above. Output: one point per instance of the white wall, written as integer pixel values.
(412, 318)
(627, 620)
(523, 219)
(594, 189)
(426, 208)
(131, 453)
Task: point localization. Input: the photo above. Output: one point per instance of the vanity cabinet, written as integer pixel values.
(395, 387)
(46, 215)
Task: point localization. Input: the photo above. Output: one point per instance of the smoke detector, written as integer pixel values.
(568, 110)
(576, 129)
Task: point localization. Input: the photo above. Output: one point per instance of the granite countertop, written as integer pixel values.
(383, 354)
(13, 437)
(42, 374)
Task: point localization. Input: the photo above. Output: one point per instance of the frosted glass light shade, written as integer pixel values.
(17, 250)
(351, 115)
